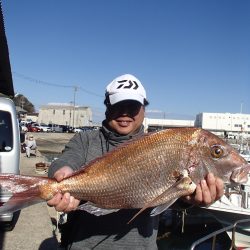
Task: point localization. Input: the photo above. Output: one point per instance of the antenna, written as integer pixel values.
(241, 107)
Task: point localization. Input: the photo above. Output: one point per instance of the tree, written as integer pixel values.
(21, 101)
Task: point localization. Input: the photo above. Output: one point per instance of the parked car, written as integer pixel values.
(77, 130)
(85, 128)
(66, 129)
(44, 128)
(33, 128)
(9, 154)
(55, 128)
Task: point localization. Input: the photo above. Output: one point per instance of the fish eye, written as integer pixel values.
(217, 151)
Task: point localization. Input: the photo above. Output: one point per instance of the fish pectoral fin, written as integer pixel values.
(183, 187)
(161, 208)
(93, 209)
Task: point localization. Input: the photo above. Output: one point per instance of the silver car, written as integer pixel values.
(9, 153)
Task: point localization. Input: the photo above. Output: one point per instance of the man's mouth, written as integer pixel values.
(123, 123)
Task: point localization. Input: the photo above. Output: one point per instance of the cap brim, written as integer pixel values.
(119, 97)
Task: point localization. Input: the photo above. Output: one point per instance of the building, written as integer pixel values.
(65, 114)
(224, 123)
(21, 113)
(31, 117)
(158, 124)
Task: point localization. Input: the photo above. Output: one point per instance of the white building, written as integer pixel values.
(220, 123)
(157, 124)
(65, 114)
(224, 122)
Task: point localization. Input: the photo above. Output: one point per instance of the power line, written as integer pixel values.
(37, 81)
(90, 92)
(31, 79)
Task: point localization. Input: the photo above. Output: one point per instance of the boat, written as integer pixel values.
(245, 154)
(243, 149)
(232, 211)
(227, 221)
(234, 206)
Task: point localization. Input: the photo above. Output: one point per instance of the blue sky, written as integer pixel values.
(192, 56)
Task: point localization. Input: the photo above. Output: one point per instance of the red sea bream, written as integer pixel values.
(151, 171)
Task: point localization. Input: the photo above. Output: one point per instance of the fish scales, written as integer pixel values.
(127, 175)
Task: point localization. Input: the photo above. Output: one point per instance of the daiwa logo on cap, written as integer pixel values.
(131, 84)
(125, 87)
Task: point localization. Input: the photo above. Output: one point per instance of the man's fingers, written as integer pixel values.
(207, 199)
(219, 188)
(198, 195)
(211, 183)
(216, 187)
(59, 176)
(73, 204)
(207, 192)
(67, 203)
(63, 173)
(63, 204)
(55, 200)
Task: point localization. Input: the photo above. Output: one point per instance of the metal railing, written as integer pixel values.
(217, 232)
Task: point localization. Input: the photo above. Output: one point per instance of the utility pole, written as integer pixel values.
(74, 103)
(21, 102)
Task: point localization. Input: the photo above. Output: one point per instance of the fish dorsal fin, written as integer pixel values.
(183, 187)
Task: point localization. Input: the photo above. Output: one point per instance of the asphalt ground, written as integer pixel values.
(36, 227)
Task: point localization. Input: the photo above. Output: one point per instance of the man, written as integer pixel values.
(125, 108)
(30, 144)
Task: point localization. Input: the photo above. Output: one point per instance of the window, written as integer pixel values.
(237, 125)
(6, 136)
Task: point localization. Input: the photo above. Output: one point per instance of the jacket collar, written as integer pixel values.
(115, 138)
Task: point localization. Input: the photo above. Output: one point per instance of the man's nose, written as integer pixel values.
(125, 110)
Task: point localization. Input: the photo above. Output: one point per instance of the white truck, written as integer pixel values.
(9, 153)
(9, 127)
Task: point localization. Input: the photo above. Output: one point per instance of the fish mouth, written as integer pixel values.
(240, 175)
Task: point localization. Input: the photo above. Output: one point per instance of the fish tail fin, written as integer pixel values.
(22, 190)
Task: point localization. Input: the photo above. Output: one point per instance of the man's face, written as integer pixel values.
(125, 117)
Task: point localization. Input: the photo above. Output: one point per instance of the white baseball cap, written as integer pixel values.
(125, 87)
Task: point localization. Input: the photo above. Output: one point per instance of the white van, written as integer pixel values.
(9, 153)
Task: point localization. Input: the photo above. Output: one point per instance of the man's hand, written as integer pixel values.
(63, 202)
(207, 192)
